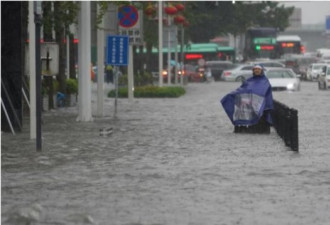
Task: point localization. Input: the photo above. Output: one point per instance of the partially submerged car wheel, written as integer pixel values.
(240, 79)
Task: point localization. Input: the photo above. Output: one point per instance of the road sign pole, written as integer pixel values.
(116, 73)
(130, 74)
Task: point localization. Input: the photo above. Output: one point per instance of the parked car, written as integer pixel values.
(324, 78)
(239, 72)
(314, 70)
(283, 79)
(217, 67)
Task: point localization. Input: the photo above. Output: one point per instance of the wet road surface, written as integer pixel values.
(169, 162)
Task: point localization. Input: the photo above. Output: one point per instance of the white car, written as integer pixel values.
(324, 79)
(239, 72)
(314, 70)
(326, 61)
(283, 79)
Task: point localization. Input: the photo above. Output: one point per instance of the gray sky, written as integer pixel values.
(312, 11)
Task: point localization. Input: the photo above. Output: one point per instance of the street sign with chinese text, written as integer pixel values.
(169, 35)
(131, 24)
(117, 50)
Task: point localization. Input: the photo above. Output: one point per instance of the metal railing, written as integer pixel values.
(285, 122)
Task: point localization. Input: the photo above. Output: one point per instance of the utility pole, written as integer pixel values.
(100, 65)
(84, 63)
(32, 71)
(37, 21)
(160, 42)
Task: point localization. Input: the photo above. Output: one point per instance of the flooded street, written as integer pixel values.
(169, 162)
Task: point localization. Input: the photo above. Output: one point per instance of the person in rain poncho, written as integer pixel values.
(251, 102)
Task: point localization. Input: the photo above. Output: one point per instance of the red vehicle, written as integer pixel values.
(194, 73)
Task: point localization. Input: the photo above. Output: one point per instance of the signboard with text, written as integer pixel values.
(169, 32)
(117, 50)
(131, 24)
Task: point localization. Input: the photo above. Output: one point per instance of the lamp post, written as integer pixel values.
(169, 51)
(160, 43)
(170, 10)
(182, 57)
(179, 20)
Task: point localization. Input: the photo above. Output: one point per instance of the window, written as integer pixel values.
(274, 74)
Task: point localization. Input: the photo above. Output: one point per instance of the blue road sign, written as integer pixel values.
(128, 16)
(327, 23)
(117, 50)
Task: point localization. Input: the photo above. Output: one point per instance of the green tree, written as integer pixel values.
(273, 15)
(209, 19)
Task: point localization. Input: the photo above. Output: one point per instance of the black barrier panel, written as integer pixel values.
(285, 121)
(262, 127)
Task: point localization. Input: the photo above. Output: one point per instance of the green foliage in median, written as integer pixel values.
(150, 92)
(71, 86)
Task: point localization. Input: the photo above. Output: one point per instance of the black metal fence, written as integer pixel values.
(285, 121)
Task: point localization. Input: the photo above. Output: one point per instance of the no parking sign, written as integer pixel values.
(128, 16)
(130, 24)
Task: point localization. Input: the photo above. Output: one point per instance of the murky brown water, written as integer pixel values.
(170, 162)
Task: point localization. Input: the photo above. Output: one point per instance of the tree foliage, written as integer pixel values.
(223, 17)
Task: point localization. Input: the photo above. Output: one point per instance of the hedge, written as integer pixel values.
(150, 92)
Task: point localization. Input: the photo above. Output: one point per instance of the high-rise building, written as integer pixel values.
(295, 19)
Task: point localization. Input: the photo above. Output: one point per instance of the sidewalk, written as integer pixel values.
(167, 162)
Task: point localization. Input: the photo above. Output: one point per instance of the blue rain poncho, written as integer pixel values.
(247, 104)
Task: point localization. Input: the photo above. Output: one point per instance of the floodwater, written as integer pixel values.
(169, 162)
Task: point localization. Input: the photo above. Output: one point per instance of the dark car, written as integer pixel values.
(217, 67)
(192, 73)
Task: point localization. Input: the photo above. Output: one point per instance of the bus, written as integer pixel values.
(260, 42)
(195, 51)
(288, 44)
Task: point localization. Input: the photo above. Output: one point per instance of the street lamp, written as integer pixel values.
(170, 10)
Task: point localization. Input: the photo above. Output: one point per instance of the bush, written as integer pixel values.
(140, 79)
(45, 87)
(150, 92)
(71, 86)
